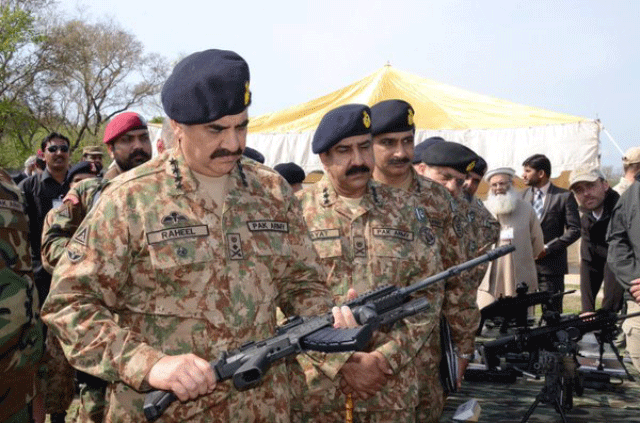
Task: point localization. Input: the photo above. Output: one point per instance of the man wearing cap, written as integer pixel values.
(185, 257)
(368, 235)
(448, 163)
(520, 227)
(623, 258)
(557, 211)
(596, 200)
(631, 168)
(127, 140)
(92, 153)
(292, 173)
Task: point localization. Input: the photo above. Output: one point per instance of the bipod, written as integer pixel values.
(608, 336)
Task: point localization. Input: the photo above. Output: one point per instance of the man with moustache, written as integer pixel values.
(393, 130)
(368, 235)
(596, 199)
(557, 211)
(187, 256)
(128, 143)
(43, 192)
(519, 227)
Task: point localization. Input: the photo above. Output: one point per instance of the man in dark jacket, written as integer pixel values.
(557, 211)
(623, 258)
(596, 199)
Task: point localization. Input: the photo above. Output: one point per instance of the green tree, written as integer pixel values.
(100, 70)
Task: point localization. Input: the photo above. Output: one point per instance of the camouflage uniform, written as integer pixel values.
(460, 306)
(389, 239)
(59, 226)
(21, 344)
(143, 278)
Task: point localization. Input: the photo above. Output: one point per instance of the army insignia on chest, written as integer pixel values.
(427, 236)
(234, 247)
(458, 227)
(173, 218)
(421, 214)
(359, 246)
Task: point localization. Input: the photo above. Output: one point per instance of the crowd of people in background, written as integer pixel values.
(147, 268)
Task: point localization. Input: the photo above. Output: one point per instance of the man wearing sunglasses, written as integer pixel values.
(42, 193)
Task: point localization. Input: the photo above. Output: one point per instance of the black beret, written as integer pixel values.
(391, 116)
(84, 167)
(419, 148)
(253, 154)
(293, 173)
(480, 167)
(340, 123)
(207, 86)
(450, 154)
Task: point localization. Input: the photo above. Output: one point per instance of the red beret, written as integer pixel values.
(121, 124)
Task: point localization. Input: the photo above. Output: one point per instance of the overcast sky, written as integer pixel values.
(579, 57)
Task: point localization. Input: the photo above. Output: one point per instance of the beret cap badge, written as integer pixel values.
(471, 165)
(247, 93)
(410, 117)
(366, 119)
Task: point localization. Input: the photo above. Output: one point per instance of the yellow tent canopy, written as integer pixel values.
(481, 122)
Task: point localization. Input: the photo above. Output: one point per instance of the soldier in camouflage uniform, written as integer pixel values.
(393, 130)
(21, 342)
(369, 235)
(148, 289)
(128, 143)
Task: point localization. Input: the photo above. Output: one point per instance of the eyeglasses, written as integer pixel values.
(54, 148)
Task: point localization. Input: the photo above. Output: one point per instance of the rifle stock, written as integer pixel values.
(380, 307)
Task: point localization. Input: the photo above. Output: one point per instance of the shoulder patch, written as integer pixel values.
(74, 257)
(81, 236)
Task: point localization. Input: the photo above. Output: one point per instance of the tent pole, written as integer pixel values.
(613, 141)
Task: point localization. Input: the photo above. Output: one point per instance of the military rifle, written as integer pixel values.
(373, 310)
(510, 309)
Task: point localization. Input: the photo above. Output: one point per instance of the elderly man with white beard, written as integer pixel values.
(519, 226)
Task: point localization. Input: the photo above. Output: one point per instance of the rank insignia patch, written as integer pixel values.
(359, 246)
(234, 245)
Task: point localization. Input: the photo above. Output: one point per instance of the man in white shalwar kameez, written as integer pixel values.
(519, 226)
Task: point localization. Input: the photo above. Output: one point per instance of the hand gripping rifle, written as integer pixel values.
(378, 308)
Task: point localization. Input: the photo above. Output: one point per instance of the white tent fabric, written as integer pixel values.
(504, 133)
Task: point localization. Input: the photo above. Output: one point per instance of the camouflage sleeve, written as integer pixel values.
(460, 296)
(61, 223)
(86, 285)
